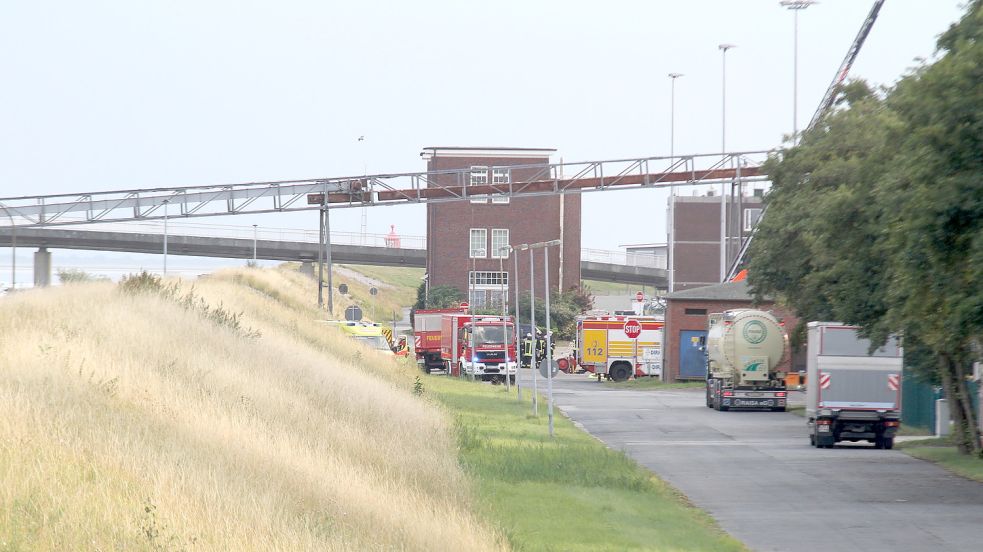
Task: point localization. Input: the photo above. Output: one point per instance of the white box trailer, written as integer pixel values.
(853, 394)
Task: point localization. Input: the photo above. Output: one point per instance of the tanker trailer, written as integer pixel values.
(743, 350)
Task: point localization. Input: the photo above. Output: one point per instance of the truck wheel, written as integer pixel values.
(512, 380)
(888, 443)
(620, 372)
(709, 395)
(812, 440)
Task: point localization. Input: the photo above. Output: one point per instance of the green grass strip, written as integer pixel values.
(948, 457)
(568, 493)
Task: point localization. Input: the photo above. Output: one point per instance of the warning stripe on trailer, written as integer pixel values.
(824, 381)
(893, 381)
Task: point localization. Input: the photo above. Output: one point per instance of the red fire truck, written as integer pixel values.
(426, 336)
(493, 356)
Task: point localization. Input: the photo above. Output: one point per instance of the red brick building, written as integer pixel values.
(686, 322)
(464, 237)
(694, 236)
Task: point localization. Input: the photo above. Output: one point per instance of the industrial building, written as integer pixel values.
(465, 238)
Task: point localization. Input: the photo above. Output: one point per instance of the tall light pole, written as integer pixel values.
(672, 119)
(165, 236)
(672, 159)
(549, 334)
(515, 257)
(723, 94)
(723, 149)
(13, 249)
(502, 252)
(796, 6)
(532, 324)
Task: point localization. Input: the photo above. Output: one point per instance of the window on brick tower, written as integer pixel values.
(500, 243)
(501, 177)
(479, 243)
(479, 177)
(751, 217)
(488, 288)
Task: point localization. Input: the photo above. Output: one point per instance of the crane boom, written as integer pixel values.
(824, 107)
(851, 55)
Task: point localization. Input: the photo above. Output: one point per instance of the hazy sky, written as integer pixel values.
(101, 95)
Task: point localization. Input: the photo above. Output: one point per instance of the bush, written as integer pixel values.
(78, 276)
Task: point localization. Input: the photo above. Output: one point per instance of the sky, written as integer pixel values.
(104, 95)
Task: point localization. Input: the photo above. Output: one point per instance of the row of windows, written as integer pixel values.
(490, 298)
(499, 243)
(479, 177)
(488, 278)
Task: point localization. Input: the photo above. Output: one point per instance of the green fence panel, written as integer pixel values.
(918, 403)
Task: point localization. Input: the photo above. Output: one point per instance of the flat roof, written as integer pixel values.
(488, 151)
(727, 291)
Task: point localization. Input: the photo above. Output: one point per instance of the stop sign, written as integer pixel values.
(639, 297)
(633, 329)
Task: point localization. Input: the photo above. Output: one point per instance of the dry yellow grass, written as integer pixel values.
(129, 423)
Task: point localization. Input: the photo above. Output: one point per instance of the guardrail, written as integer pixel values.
(624, 258)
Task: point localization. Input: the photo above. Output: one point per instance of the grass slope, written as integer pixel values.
(571, 493)
(137, 422)
(941, 451)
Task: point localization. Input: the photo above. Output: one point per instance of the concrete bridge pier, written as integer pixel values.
(307, 268)
(42, 267)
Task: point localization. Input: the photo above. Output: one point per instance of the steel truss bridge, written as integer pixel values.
(378, 190)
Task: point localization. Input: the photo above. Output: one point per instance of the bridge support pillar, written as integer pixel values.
(42, 267)
(307, 268)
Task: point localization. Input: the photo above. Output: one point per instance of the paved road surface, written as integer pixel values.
(757, 475)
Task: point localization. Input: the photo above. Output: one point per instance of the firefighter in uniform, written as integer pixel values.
(527, 349)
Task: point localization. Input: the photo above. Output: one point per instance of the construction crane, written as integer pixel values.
(825, 106)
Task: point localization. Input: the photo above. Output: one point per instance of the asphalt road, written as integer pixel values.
(757, 475)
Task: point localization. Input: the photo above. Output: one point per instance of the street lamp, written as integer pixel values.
(13, 249)
(672, 119)
(672, 159)
(166, 201)
(502, 253)
(723, 149)
(796, 6)
(723, 90)
(518, 330)
(549, 334)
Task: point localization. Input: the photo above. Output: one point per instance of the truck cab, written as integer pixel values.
(488, 350)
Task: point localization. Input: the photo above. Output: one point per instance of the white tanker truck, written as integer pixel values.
(744, 348)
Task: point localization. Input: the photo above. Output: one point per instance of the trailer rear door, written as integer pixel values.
(851, 378)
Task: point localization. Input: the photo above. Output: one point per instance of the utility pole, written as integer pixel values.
(327, 257)
(505, 313)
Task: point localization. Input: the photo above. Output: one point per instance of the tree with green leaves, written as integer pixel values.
(876, 217)
(439, 297)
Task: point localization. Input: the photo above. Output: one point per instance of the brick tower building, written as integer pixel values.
(464, 238)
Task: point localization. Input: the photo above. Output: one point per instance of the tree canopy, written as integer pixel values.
(876, 217)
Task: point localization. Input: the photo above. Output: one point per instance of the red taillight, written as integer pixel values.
(728, 393)
(780, 394)
(824, 422)
(891, 423)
